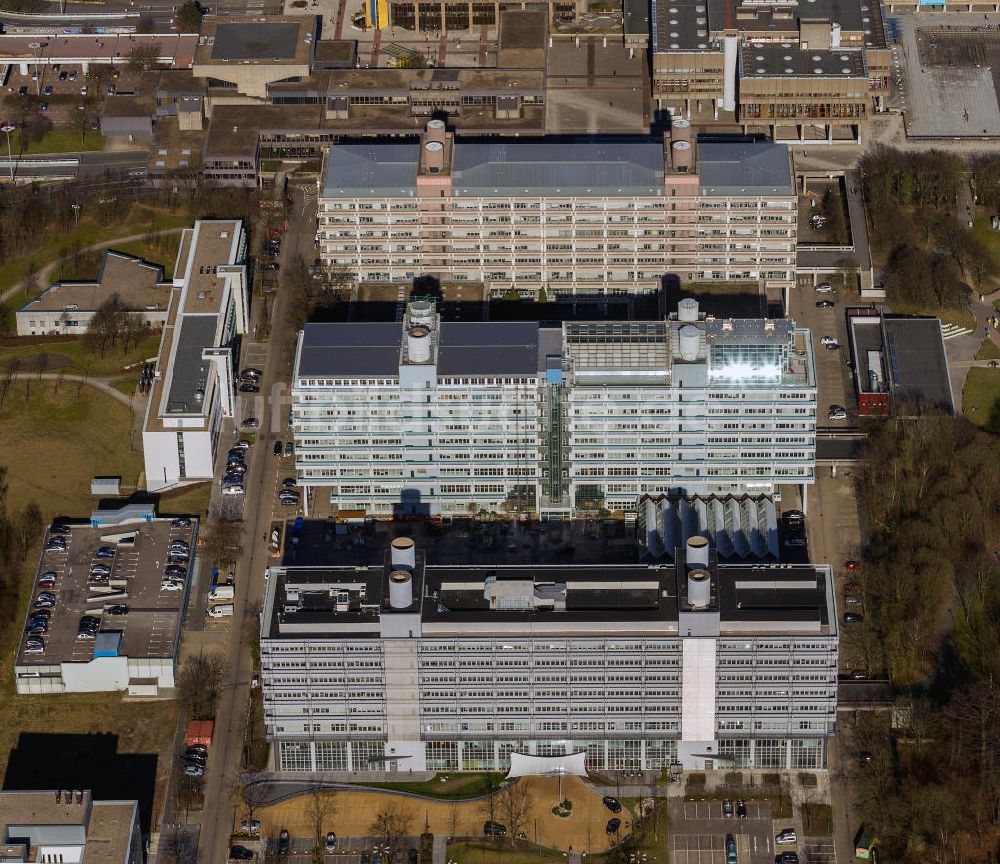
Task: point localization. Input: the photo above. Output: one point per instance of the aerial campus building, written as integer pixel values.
(194, 388)
(403, 664)
(568, 217)
(430, 417)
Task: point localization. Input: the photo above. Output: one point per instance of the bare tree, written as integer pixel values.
(392, 825)
(321, 807)
(29, 279)
(198, 684)
(513, 805)
(10, 374)
(222, 541)
(143, 57)
(253, 793)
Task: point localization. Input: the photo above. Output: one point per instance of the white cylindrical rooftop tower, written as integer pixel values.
(731, 51)
(422, 312)
(418, 344)
(690, 339)
(434, 157)
(680, 152)
(680, 129)
(436, 131)
(699, 588)
(404, 553)
(697, 552)
(400, 589)
(687, 310)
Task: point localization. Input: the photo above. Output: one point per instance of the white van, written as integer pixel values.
(222, 592)
(223, 610)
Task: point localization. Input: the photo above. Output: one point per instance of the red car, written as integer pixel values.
(852, 566)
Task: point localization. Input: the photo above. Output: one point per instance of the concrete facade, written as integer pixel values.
(398, 666)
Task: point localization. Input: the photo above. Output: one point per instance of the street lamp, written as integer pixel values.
(76, 212)
(35, 47)
(8, 128)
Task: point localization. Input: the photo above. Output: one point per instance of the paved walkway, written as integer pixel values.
(45, 274)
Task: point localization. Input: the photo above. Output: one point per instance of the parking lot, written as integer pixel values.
(832, 372)
(151, 616)
(349, 849)
(698, 833)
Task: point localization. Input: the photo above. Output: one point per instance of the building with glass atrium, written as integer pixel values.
(432, 417)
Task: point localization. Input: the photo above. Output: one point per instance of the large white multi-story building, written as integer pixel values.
(194, 388)
(570, 217)
(403, 664)
(426, 416)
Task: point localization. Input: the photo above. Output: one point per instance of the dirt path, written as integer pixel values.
(99, 383)
(583, 831)
(45, 274)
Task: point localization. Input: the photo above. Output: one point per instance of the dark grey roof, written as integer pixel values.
(915, 362)
(744, 168)
(553, 167)
(356, 349)
(680, 25)
(375, 169)
(190, 372)
(488, 348)
(768, 61)
(254, 41)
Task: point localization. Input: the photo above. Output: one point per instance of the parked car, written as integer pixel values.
(824, 288)
(175, 570)
(271, 266)
(331, 842)
(34, 647)
(251, 372)
(232, 479)
(494, 829)
(22, 90)
(62, 76)
(117, 609)
(171, 585)
(741, 808)
(731, 854)
(277, 448)
(853, 600)
(250, 423)
(289, 483)
(236, 468)
(247, 387)
(250, 827)
(727, 807)
(48, 90)
(853, 618)
(613, 826)
(832, 345)
(289, 448)
(836, 412)
(240, 853)
(194, 770)
(825, 304)
(612, 804)
(788, 858)
(181, 522)
(44, 603)
(233, 490)
(60, 528)
(100, 570)
(105, 552)
(284, 841)
(242, 445)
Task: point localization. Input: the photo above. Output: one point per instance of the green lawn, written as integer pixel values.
(989, 350)
(56, 141)
(56, 437)
(162, 251)
(982, 389)
(140, 219)
(72, 356)
(484, 852)
(456, 786)
(960, 317)
(188, 500)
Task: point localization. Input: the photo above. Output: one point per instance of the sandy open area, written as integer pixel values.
(584, 830)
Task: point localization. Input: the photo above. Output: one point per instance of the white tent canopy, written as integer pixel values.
(523, 765)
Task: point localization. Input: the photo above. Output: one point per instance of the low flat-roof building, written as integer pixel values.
(69, 827)
(134, 650)
(67, 306)
(404, 664)
(194, 390)
(899, 362)
(246, 53)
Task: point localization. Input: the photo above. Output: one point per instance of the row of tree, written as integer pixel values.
(20, 530)
(931, 583)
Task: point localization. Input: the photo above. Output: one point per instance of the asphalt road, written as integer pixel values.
(220, 785)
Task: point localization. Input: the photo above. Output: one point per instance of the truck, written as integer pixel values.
(223, 610)
(199, 732)
(222, 592)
